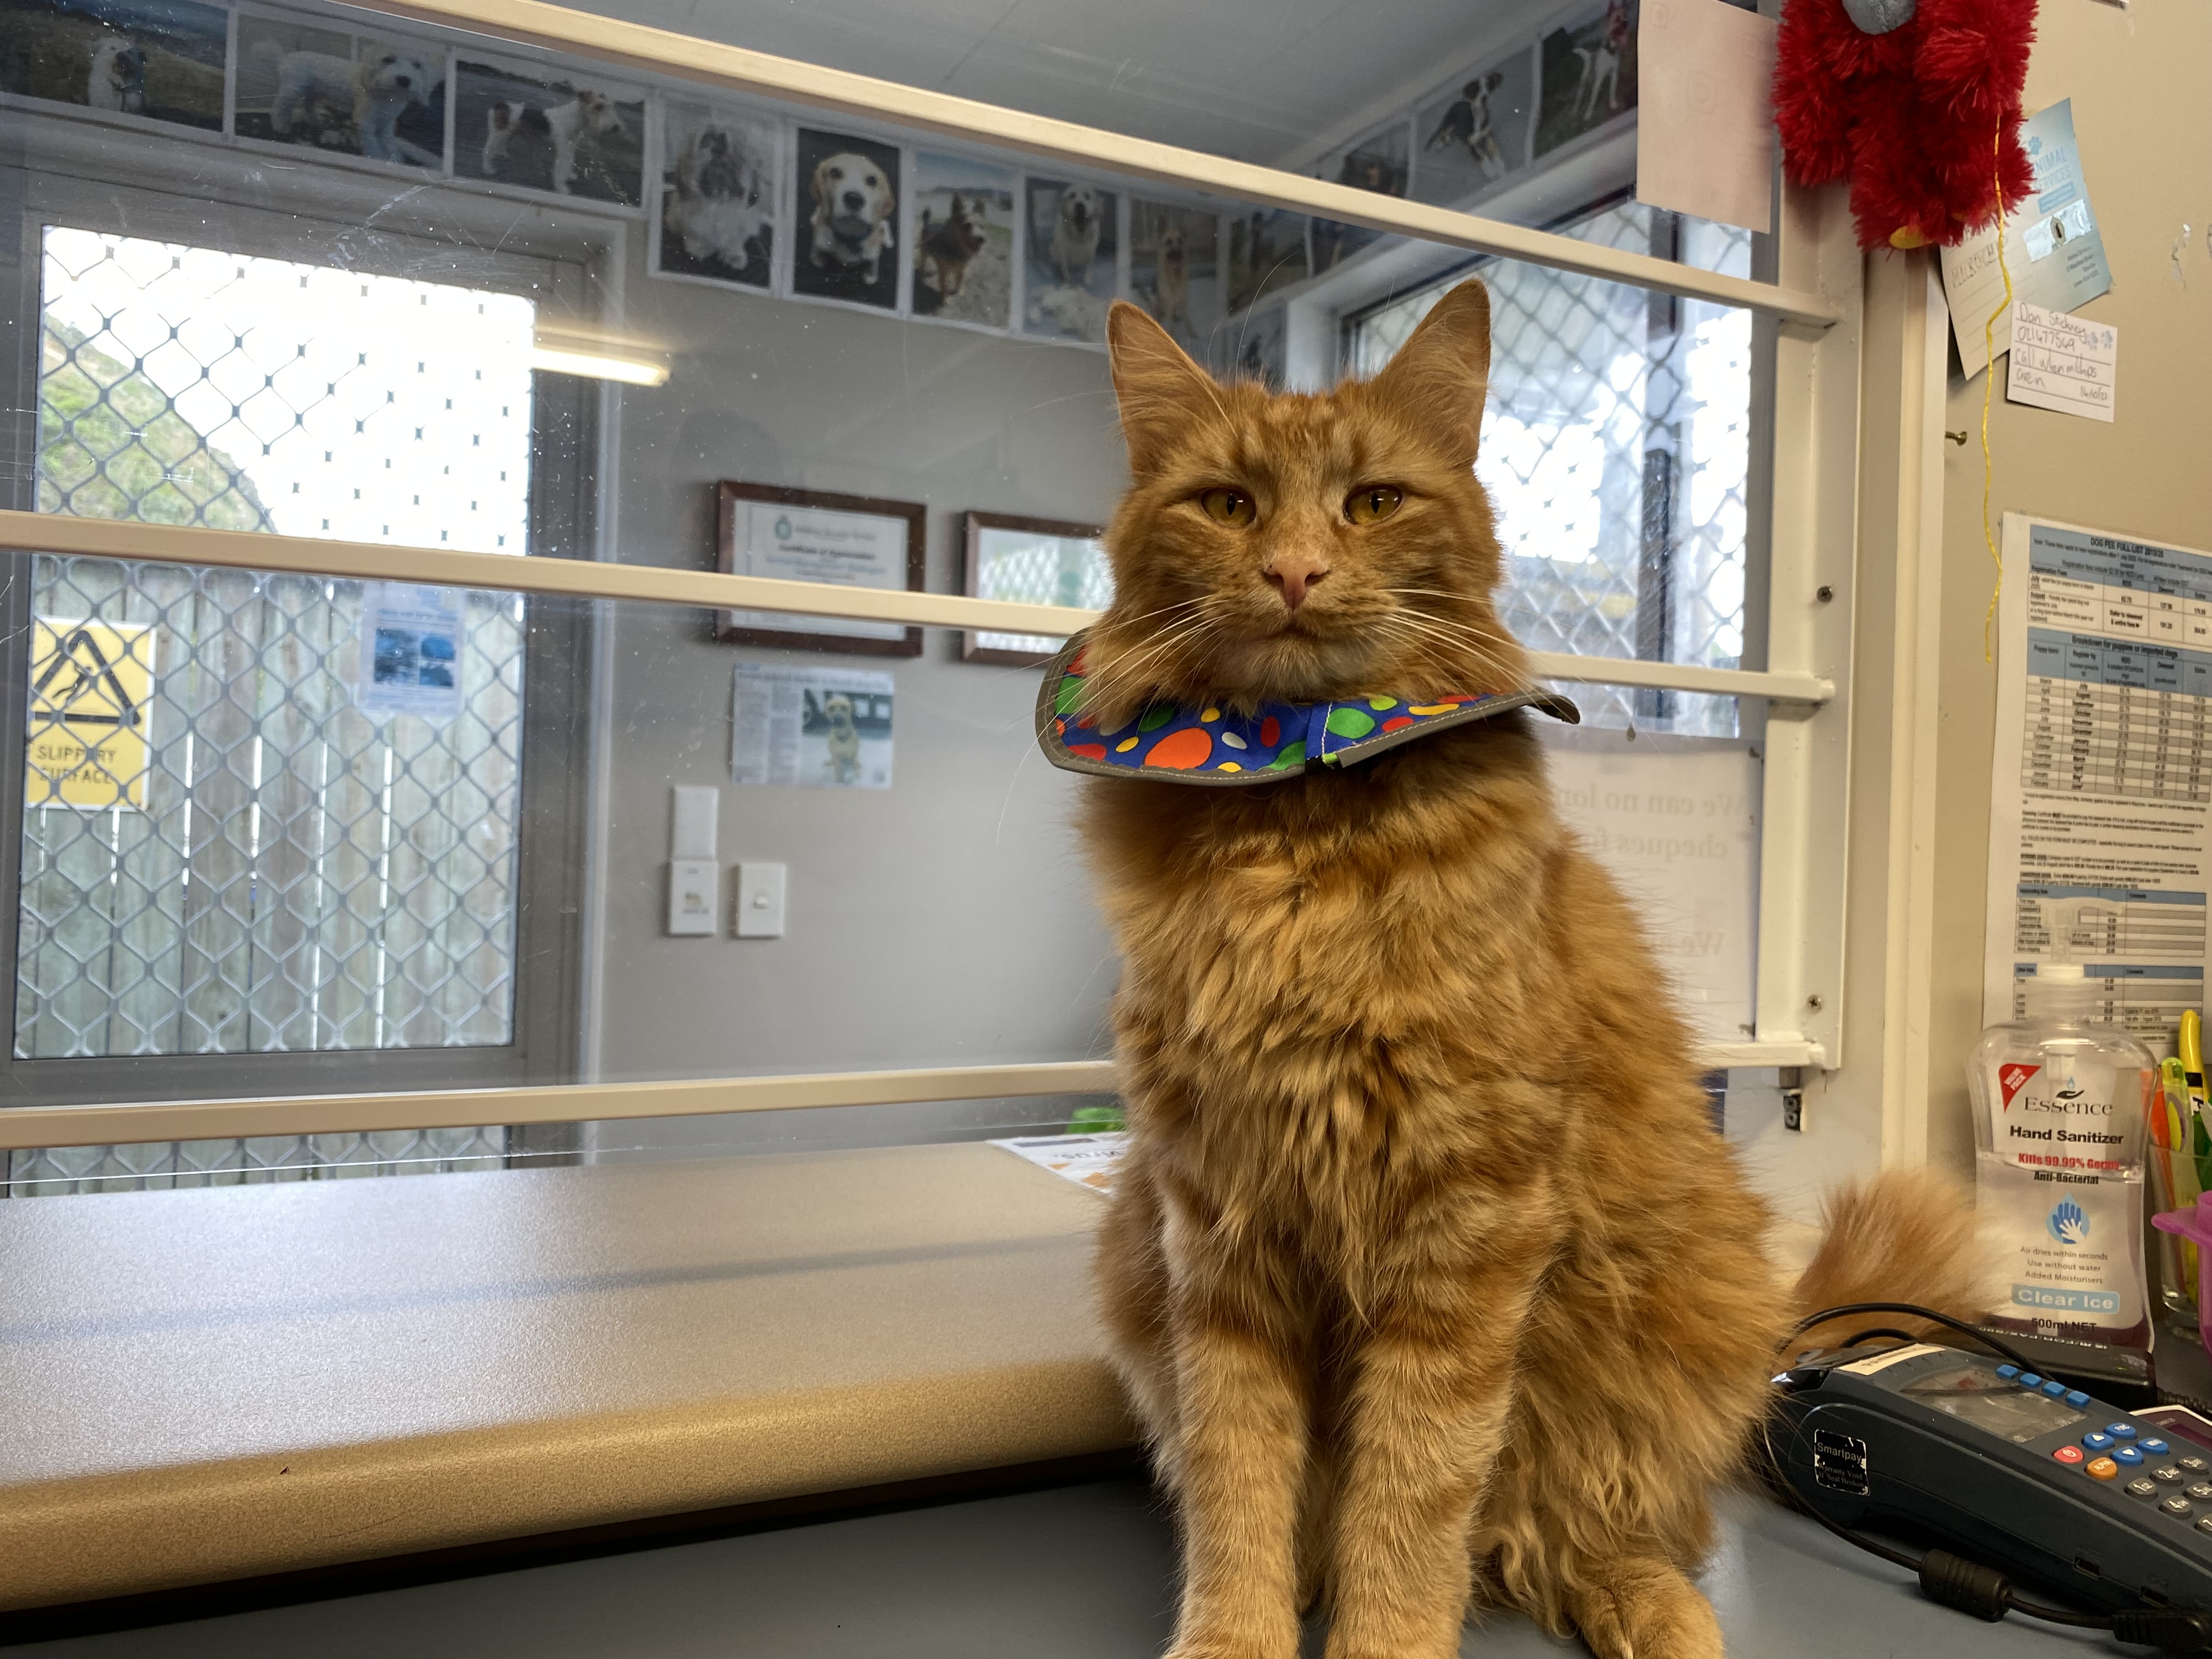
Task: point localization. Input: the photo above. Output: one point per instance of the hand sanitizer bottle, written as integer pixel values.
(2061, 1101)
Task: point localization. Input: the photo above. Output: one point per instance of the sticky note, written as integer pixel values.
(2061, 363)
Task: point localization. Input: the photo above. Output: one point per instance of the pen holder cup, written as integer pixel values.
(2173, 1260)
(2194, 1225)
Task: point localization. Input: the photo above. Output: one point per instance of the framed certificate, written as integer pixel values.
(1031, 562)
(805, 536)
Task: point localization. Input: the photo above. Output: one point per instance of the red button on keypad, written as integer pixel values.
(2068, 1454)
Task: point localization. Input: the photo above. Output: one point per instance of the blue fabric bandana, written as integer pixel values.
(1213, 746)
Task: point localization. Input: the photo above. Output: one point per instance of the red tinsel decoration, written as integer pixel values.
(1924, 119)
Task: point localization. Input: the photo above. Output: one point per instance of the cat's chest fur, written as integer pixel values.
(1329, 964)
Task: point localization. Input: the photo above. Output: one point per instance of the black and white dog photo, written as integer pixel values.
(717, 196)
(526, 127)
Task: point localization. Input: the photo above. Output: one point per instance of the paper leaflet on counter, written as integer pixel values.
(2101, 786)
(1086, 1160)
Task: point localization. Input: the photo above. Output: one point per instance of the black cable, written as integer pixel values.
(1872, 1331)
(1917, 1312)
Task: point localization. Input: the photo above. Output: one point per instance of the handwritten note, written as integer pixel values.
(2062, 363)
(2052, 246)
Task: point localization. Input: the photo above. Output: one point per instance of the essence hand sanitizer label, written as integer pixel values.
(2059, 1123)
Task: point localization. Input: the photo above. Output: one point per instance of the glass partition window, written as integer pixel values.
(1617, 450)
(284, 834)
(271, 812)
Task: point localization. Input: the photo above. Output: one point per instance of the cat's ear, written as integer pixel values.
(1441, 374)
(1155, 384)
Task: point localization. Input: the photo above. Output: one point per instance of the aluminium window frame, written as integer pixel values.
(73, 178)
(1806, 332)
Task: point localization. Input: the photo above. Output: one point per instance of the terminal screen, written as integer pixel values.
(1988, 1402)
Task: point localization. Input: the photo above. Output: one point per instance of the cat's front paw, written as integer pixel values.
(1647, 1610)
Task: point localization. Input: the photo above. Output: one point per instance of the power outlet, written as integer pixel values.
(692, 884)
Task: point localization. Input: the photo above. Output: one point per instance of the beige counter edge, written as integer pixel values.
(112, 1534)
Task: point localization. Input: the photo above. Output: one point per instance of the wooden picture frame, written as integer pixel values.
(974, 526)
(805, 633)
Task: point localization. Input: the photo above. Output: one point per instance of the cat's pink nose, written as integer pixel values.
(1296, 574)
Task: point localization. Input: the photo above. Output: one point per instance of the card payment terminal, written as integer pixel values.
(2107, 1508)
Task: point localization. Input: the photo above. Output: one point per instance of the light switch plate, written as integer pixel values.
(692, 886)
(692, 820)
(760, 900)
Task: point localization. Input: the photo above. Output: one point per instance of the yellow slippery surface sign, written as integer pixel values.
(90, 685)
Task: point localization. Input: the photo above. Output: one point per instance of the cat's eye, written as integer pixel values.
(1228, 506)
(1372, 503)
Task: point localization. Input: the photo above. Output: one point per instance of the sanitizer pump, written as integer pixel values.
(2061, 1102)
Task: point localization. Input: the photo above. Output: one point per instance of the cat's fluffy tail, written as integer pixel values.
(1906, 1236)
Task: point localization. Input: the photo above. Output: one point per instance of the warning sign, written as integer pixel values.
(91, 683)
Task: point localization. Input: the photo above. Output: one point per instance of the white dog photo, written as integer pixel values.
(718, 196)
(1075, 249)
(379, 99)
(118, 76)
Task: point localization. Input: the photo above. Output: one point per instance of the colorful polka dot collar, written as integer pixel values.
(1213, 746)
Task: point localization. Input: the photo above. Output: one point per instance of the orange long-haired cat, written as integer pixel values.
(1426, 1270)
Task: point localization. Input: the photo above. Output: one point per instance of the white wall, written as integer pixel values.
(946, 920)
(2145, 130)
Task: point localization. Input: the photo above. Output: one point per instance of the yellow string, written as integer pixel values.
(1988, 357)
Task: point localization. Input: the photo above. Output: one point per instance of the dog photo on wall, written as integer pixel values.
(845, 241)
(523, 125)
(1253, 347)
(1377, 163)
(161, 59)
(1474, 131)
(717, 197)
(1174, 268)
(963, 241)
(1267, 251)
(351, 94)
(1072, 259)
(1589, 75)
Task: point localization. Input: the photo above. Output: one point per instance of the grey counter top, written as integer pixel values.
(1079, 1572)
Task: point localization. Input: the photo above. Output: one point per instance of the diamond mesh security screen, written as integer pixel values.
(268, 812)
(1616, 448)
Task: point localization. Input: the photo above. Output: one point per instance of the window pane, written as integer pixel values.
(1617, 451)
(286, 835)
(271, 813)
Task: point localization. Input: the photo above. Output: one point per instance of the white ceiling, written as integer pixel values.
(1257, 80)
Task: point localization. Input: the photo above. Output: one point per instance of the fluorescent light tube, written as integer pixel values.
(599, 366)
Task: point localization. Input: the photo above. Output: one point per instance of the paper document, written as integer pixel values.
(822, 728)
(410, 651)
(1086, 1160)
(2101, 785)
(2052, 246)
(2062, 363)
(1706, 116)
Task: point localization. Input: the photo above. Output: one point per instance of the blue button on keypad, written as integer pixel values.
(2096, 1442)
(2030, 1380)
(2078, 1398)
(2121, 1431)
(2055, 1388)
(2127, 1454)
(2152, 1447)
(2008, 1372)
